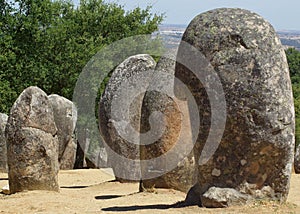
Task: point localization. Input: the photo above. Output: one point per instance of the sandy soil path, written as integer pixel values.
(94, 191)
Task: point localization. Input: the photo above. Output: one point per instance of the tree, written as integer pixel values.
(47, 43)
(293, 57)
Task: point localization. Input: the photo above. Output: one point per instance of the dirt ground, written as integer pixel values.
(94, 191)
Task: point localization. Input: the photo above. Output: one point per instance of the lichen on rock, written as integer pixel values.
(257, 145)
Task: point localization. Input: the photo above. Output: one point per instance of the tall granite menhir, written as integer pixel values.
(255, 154)
(32, 144)
(119, 123)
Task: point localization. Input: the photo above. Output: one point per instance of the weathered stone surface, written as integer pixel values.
(65, 117)
(32, 144)
(3, 158)
(297, 160)
(264, 193)
(216, 197)
(257, 146)
(174, 170)
(67, 161)
(120, 116)
(97, 159)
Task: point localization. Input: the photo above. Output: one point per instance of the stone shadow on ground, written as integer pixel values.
(74, 187)
(180, 204)
(106, 197)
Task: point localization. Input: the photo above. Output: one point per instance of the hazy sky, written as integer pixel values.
(283, 15)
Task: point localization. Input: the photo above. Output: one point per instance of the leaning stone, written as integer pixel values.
(32, 144)
(119, 117)
(216, 197)
(65, 116)
(257, 146)
(166, 169)
(3, 150)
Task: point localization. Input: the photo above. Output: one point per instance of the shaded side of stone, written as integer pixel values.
(79, 158)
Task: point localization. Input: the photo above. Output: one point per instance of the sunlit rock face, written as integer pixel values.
(32, 143)
(256, 150)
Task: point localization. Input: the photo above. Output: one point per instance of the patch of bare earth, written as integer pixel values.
(94, 191)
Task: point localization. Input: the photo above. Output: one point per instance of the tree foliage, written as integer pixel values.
(47, 43)
(293, 57)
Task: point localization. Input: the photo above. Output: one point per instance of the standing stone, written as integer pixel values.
(297, 160)
(32, 144)
(65, 117)
(3, 155)
(119, 116)
(174, 170)
(257, 147)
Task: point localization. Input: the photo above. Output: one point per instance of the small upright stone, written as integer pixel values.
(65, 117)
(32, 144)
(257, 147)
(119, 115)
(3, 155)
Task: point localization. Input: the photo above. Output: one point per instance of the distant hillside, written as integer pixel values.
(172, 34)
(290, 38)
